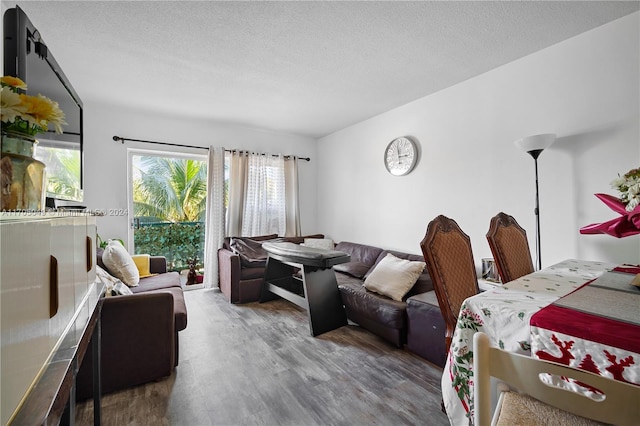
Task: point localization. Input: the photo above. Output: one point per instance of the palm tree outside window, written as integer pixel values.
(169, 204)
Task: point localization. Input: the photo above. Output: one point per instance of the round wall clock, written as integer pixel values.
(401, 156)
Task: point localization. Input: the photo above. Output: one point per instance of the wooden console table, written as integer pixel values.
(304, 276)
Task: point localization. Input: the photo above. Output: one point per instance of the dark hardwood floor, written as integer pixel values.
(258, 364)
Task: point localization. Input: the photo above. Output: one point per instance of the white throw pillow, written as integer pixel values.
(394, 277)
(321, 243)
(118, 260)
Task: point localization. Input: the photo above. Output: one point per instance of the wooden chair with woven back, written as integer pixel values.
(510, 247)
(447, 253)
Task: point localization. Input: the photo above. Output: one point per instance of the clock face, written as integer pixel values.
(400, 156)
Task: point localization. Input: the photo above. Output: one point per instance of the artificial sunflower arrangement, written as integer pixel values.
(24, 114)
(629, 187)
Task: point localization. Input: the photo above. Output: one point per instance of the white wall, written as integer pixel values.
(106, 160)
(586, 90)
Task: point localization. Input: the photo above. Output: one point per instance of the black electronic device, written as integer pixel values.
(27, 57)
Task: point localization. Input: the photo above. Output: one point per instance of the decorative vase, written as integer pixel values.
(22, 177)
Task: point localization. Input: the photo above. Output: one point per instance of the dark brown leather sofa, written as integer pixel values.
(139, 332)
(416, 320)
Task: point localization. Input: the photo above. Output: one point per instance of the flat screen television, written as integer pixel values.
(27, 57)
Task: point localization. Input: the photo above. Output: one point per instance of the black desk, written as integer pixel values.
(303, 275)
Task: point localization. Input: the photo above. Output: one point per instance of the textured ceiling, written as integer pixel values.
(309, 68)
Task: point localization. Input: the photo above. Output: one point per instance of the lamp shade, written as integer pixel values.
(536, 143)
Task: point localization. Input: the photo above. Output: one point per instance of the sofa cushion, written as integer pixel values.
(179, 306)
(355, 269)
(347, 279)
(157, 264)
(158, 282)
(99, 262)
(428, 298)
(393, 277)
(363, 257)
(426, 328)
(168, 283)
(120, 263)
(378, 308)
(423, 284)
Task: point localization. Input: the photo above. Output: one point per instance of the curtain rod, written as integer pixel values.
(121, 139)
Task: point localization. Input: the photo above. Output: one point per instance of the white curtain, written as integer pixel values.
(264, 201)
(238, 168)
(263, 195)
(291, 197)
(214, 222)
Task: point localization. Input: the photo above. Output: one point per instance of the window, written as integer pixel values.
(256, 197)
(168, 195)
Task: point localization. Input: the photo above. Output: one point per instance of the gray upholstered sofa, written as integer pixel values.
(139, 332)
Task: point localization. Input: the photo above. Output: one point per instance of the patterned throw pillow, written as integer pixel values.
(113, 286)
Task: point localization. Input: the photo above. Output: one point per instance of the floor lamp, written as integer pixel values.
(534, 145)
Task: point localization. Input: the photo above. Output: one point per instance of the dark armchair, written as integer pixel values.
(241, 265)
(139, 333)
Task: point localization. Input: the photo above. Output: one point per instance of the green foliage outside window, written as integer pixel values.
(169, 203)
(178, 242)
